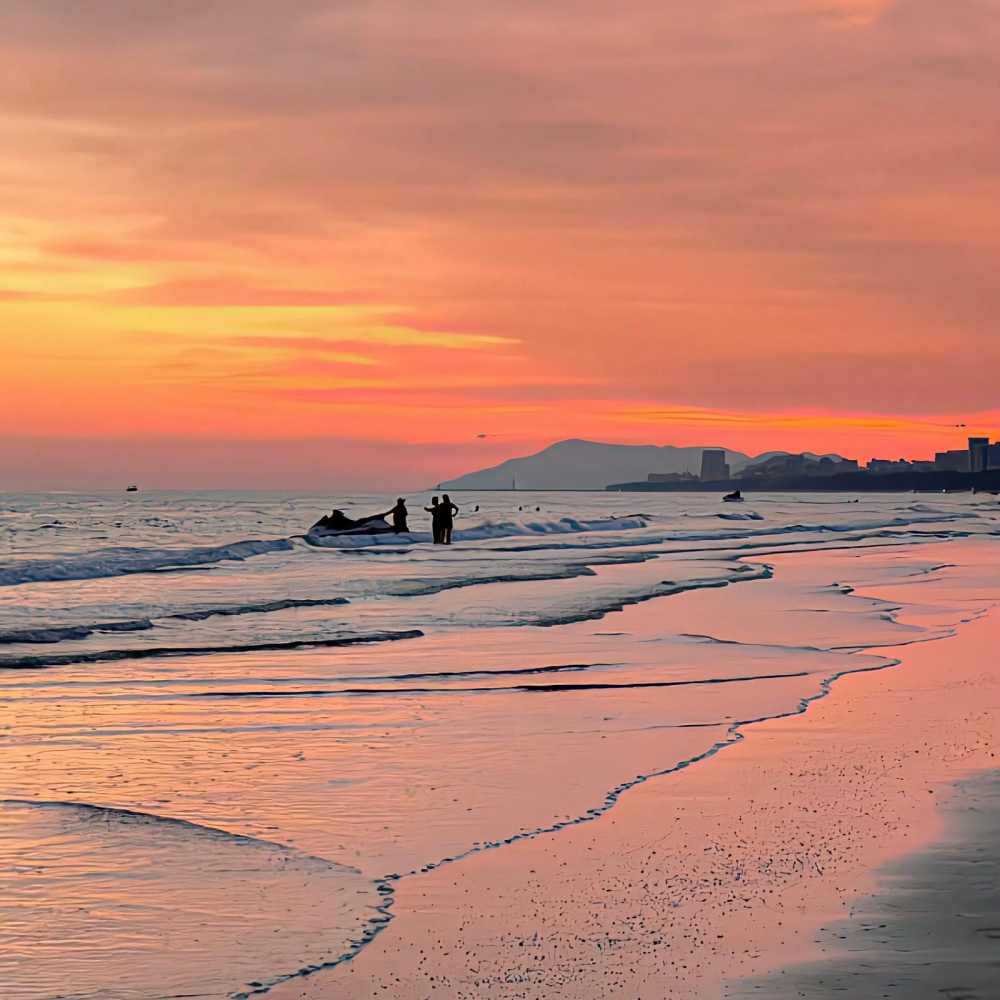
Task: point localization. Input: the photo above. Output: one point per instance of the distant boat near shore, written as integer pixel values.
(131, 489)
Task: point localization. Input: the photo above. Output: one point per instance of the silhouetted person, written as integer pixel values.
(399, 514)
(435, 512)
(447, 515)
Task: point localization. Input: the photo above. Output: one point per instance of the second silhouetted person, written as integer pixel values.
(447, 511)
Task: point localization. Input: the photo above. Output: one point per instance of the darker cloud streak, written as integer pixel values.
(228, 292)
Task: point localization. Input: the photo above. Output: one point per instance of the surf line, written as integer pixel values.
(150, 652)
(734, 735)
(371, 927)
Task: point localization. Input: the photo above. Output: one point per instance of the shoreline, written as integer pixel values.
(987, 482)
(703, 915)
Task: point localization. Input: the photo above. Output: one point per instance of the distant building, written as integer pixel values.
(922, 466)
(671, 477)
(978, 454)
(776, 465)
(885, 466)
(993, 458)
(797, 465)
(951, 461)
(713, 465)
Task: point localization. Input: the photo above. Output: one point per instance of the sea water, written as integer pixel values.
(225, 741)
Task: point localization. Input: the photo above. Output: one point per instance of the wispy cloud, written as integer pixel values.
(225, 291)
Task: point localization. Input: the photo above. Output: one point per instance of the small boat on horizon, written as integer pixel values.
(131, 489)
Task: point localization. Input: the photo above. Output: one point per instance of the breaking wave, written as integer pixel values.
(479, 533)
(123, 561)
(127, 560)
(60, 633)
(598, 608)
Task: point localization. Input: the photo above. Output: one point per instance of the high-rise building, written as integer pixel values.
(713, 465)
(951, 461)
(979, 449)
(993, 458)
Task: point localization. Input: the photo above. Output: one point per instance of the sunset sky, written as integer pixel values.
(396, 226)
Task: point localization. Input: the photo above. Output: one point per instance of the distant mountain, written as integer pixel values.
(588, 465)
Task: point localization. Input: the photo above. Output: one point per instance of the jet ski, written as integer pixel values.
(734, 497)
(338, 523)
(375, 527)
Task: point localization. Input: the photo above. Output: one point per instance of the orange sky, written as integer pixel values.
(758, 223)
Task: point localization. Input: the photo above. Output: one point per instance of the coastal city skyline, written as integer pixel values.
(956, 469)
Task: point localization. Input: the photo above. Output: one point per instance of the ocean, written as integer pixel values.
(225, 742)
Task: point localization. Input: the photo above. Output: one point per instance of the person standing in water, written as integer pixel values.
(399, 514)
(435, 512)
(447, 514)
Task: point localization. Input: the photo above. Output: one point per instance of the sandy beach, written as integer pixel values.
(932, 930)
(698, 880)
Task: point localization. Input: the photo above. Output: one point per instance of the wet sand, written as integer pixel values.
(702, 879)
(934, 929)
